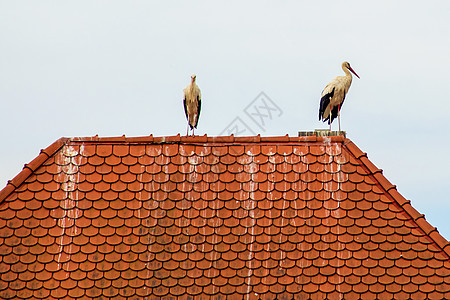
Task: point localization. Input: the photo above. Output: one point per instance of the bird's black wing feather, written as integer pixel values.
(324, 102)
(198, 110)
(185, 107)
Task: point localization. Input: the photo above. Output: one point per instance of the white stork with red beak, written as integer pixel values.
(333, 95)
(192, 104)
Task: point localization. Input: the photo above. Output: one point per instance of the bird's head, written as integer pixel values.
(346, 65)
(193, 77)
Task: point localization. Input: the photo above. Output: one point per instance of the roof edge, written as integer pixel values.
(405, 204)
(29, 168)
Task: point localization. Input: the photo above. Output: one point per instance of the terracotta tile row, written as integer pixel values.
(113, 149)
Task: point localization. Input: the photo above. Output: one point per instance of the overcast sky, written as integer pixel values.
(81, 68)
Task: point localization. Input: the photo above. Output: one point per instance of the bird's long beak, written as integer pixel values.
(353, 71)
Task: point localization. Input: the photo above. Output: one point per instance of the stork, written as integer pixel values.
(192, 104)
(333, 95)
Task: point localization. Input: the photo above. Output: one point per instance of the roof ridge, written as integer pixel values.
(210, 139)
(391, 190)
(32, 166)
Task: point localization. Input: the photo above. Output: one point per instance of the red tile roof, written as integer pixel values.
(275, 217)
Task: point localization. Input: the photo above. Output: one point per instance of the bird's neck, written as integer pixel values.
(347, 72)
(192, 89)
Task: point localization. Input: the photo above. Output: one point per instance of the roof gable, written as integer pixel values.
(262, 217)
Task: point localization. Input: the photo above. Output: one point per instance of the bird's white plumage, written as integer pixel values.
(334, 93)
(192, 103)
(341, 85)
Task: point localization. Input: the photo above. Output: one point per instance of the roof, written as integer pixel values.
(261, 217)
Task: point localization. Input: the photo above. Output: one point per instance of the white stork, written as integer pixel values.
(192, 104)
(333, 95)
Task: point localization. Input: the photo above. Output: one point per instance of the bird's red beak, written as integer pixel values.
(353, 71)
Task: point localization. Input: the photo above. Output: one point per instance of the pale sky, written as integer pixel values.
(81, 68)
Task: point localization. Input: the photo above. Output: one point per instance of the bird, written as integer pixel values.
(333, 95)
(192, 104)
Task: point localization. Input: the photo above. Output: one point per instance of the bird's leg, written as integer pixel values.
(187, 130)
(193, 133)
(339, 116)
